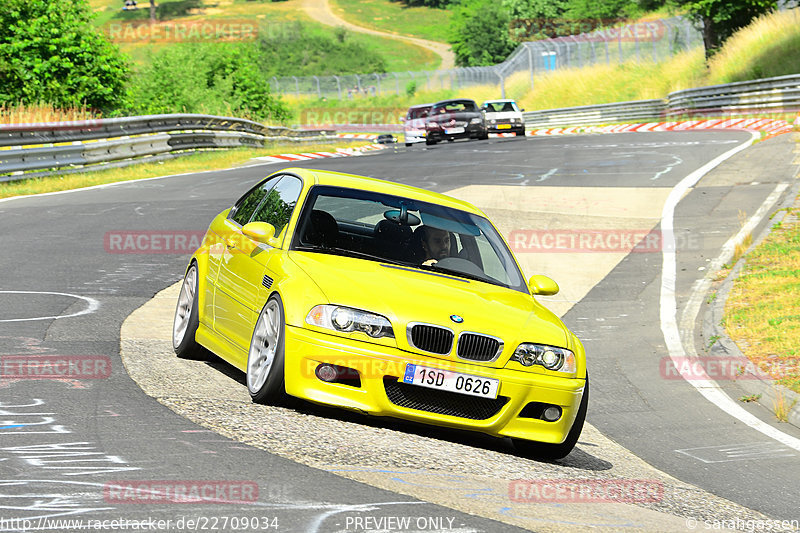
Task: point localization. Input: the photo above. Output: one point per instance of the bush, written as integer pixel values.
(222, 79)
(302, 50)
(49, 52)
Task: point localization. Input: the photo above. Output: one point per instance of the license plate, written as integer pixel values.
(504, 126)
(451, 131)
(434, 378)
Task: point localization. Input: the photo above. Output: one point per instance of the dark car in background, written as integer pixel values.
(455, 119)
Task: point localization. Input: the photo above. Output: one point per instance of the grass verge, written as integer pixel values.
(761, 313)
(395, 17)
(189, 163)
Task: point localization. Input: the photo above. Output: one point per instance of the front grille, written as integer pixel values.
(441, 402)
(432, 339)
(477, 347)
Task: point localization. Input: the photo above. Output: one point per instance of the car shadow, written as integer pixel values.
(581, 457)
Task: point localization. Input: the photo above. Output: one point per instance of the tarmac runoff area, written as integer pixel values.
(468, 472)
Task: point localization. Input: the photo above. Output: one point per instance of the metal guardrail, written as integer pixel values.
(596, 114)
(768, 95)
(34, 150)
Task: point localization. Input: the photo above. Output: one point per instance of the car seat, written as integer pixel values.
(392, 239)
(321, 230)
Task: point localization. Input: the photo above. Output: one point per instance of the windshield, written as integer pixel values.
(418, 112)
(454, 106)
(500, 107)
(402, 231)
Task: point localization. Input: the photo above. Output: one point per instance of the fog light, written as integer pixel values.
(552, 413)
(326, 372)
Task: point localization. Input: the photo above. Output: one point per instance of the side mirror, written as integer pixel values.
(262, 232)
(402, 119)
(522, 110)
(542, 285)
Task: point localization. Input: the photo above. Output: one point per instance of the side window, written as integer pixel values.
(279, 203)
(247, 204)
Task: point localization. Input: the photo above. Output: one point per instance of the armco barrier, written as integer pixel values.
(33, 150)
(768, 95)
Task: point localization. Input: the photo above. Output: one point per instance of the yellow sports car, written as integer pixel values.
(384, 299)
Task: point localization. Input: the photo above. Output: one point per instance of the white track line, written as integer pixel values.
(669, 323)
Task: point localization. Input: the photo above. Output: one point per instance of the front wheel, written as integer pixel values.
(265, 364)
(186, 320)
(547, 451)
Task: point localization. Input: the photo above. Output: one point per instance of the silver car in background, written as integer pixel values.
(504, 116)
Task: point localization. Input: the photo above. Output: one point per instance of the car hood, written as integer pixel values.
(406, 294)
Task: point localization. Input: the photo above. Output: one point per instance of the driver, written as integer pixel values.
(435, 243)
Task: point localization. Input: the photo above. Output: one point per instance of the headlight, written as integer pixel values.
(550, 357)
(476, 120)
(494, 121)
(348, 320)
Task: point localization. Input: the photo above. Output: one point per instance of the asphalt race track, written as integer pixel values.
(66, 290)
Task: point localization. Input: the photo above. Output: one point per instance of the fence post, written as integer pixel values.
(296, 86)
(338, 86)
(530, 61)
(378, 80)
(396, 83)
(319, 90)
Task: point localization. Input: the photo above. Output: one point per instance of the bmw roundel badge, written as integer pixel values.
(457, 319)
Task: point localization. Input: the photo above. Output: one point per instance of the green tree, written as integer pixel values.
(50, 53)
(721, 18)
(481, 34)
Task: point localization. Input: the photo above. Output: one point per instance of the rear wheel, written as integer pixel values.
(265, 365)
(186, 320)
(543, 450)
(430, 141)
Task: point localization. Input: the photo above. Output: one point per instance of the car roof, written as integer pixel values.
(454, 100)
(350, 181)
(503, 100)
(420, 105)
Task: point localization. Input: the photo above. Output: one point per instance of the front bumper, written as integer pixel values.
(471, 131)
(378, 366)
(506, 127)
(414, 136)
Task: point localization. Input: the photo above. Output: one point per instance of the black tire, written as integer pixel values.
(521, 132)
(483, 136)
(550, 452)
(408, 144)
(430, 141)
(266, 385)
(186, 321)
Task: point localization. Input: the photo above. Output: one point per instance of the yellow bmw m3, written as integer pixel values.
(385, 299)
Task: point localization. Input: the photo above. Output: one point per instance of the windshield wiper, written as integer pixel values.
(335, 250)
(462, 274)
